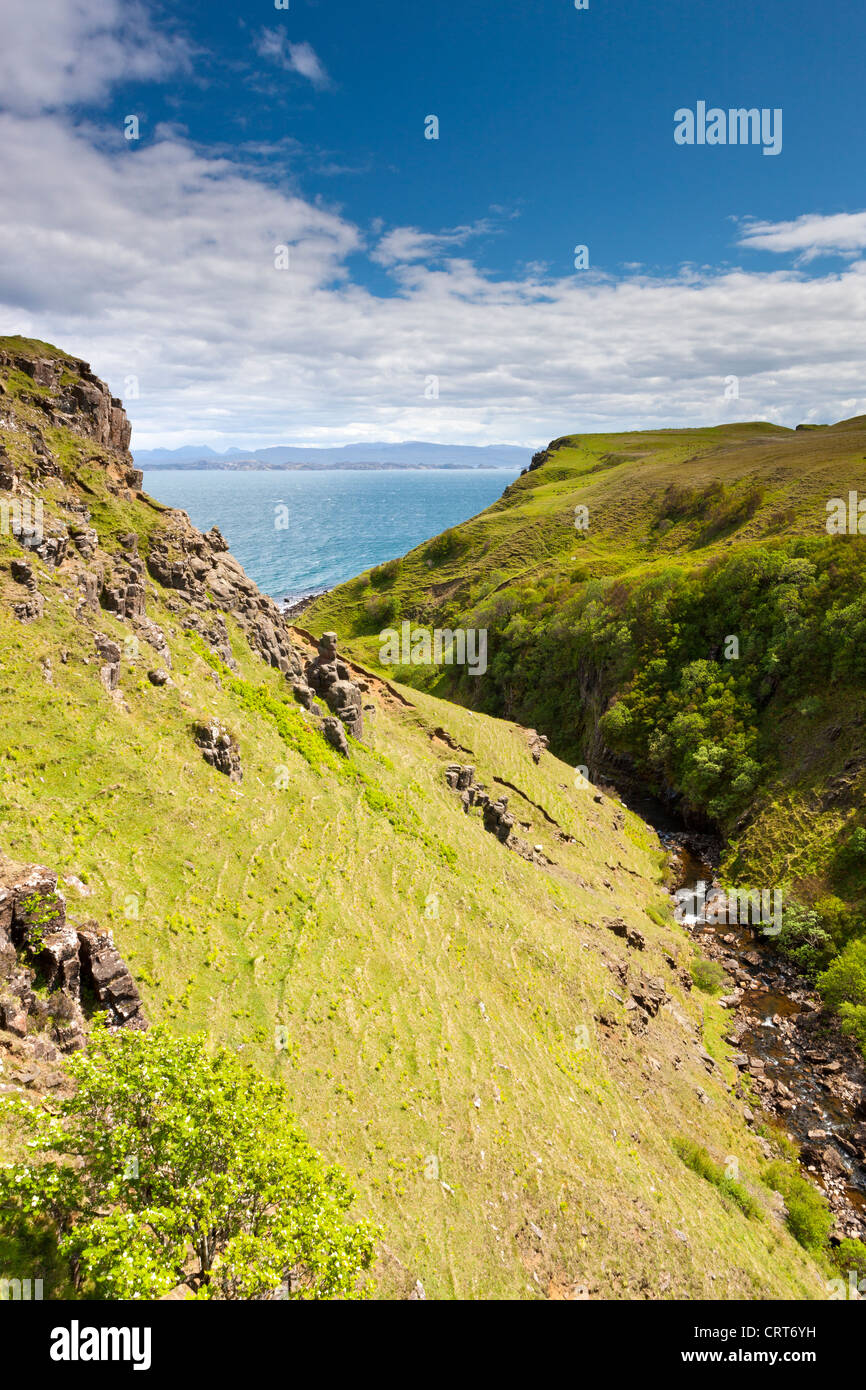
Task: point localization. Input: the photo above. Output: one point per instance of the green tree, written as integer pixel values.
(804, 940)
(844, 981)
(843, 988)
(173, 1164)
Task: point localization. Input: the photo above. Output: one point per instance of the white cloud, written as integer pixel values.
(843, 233)
(158, 264)
(165, 272)
(404, 244)
(59, 53)
(274, 45)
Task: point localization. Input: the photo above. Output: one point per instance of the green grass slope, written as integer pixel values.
(456, 1040)
(615, 637)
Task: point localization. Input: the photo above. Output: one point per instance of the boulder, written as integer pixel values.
(328, 677)
(22, 573)
(69, 962)
(538, 744)
(649, 994)
(109, 652)
(219, 748)
(30, 609)
(629, 934)
(335, 733)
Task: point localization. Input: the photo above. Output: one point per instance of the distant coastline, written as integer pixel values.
(258, 466)
(411, 454)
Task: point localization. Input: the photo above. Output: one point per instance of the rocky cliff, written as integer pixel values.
(48, 402)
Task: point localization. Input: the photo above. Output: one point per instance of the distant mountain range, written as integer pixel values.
(412, 454)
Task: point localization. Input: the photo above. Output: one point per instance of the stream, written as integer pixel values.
(807, 1075)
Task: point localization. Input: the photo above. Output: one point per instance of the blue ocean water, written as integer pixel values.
(338, 522)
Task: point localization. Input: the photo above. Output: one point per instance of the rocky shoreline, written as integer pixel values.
(300, 605)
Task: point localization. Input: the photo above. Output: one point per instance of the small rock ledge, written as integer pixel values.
(49, 966)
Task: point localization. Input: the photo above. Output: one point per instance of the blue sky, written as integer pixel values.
(451, 260)
(556, 124)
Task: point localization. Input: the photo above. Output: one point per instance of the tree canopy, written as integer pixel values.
(174, 1164)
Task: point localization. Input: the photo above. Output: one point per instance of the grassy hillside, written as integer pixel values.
(695, 632)
(456, 1017)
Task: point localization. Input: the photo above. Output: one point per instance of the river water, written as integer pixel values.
(808, 1076)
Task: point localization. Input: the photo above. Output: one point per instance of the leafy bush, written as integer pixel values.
(386, 573)
(808, 1217)
(853, 1019)
(698, 1159)
(850, 861)
(730, 511)
(843, 988)
(708, 975)
(381, 610)
(844, 980)
(444, 546)
(839, 920)
(171, 1164)
(682, 501)
(850, 1255)
(804, 940)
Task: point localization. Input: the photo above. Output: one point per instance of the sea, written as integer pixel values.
(300, 533)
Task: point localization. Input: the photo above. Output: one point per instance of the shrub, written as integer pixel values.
(853, 1019)
(698, 1159)
(732, 511)
(840, 921)
(808, 1217)
(804, 940)
(850, 1254)
(172, 1164)
(443, 547)
(708, 975)
(682, 500)
(850, 861)
(381, 610)
(385, 574)
(844, 981)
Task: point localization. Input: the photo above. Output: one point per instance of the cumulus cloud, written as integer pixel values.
(404, 244)
(162, 266)
(63, 52)
(166, 273)
(301, 58)
(843, 233)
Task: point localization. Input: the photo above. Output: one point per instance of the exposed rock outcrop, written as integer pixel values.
(205, 584)
(201, 573)
(109, 654)
(331, 679)
(335, 733)
(219, 748)
(49, 966)
(28, 609)
(72, 397)
(630, 935)
(495, 813)
(538, 744)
